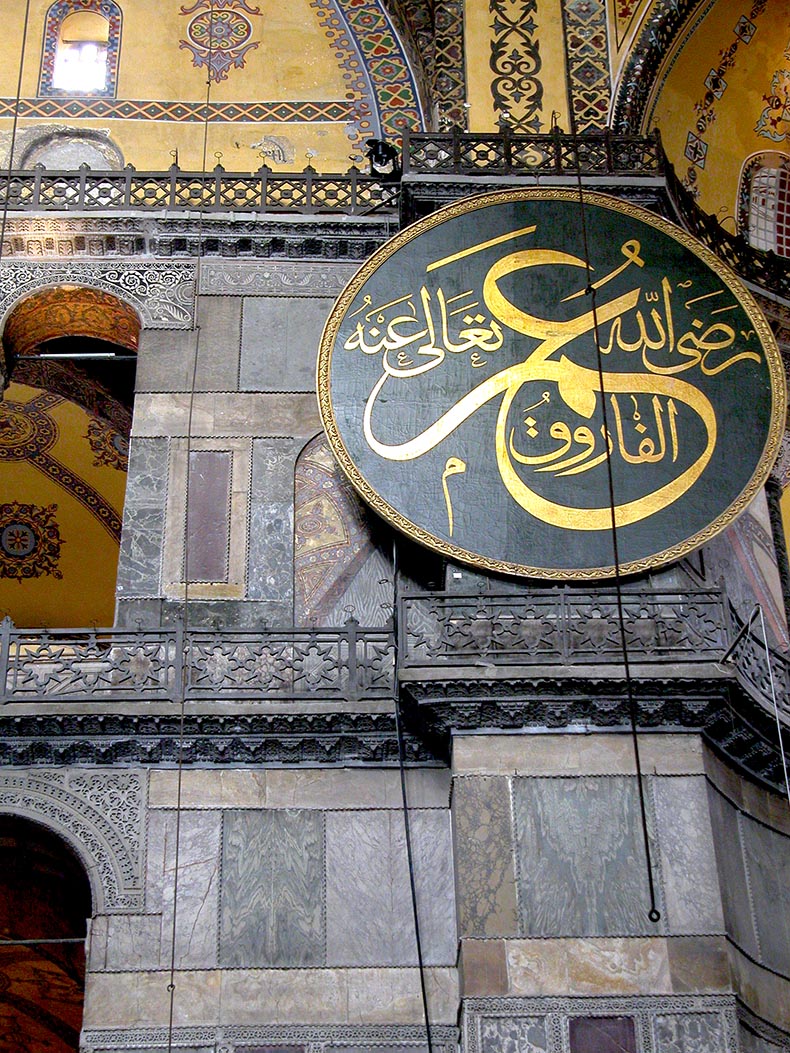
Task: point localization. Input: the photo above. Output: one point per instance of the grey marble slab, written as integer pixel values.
(732, 873)
(368, 907)
(690, 878)
(581, 860)
(272, 903)
(527, 1034)
(164, 360)
(483, 839)
(270, 559)
(198, 885)
(146, 480)
(139, 560)
(768, 860)
(370, 918)
(279, 343)
(218, 345)
(690, 1033)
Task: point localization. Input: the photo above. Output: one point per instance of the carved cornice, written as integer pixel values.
(284, 738)
(123, 237)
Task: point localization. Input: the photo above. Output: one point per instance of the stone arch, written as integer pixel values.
(99, 814)
(161, 294)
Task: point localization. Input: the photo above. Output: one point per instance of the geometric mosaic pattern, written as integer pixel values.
(349, 58)
(180, 112)
(588, 63)
(449, 83)
(515, 63)
(29, 541)
(394, 90)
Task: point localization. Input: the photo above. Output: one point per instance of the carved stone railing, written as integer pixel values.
(307, 192)
(457, 153)
(561, 626)
(273, 665)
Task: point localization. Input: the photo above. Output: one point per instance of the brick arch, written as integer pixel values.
(69, 310)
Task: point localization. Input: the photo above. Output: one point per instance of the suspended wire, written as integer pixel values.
(654, 914)
(14, 126)
(171, 986)
(405, 807)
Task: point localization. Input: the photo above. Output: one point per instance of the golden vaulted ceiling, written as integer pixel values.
(63, 458)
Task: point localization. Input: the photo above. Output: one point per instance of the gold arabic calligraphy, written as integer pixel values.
(414, 340)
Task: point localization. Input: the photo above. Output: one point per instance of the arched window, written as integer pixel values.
(764, 197)
(81, 44)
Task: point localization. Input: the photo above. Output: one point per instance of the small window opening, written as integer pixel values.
(81, 57)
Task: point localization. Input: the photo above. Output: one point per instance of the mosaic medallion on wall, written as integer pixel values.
(219, 35)
(29, 541)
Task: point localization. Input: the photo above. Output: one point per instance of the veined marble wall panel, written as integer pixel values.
(218, 345)
(279, 342)
(485, 876)
(166, 358)
(581, 867)
(198, 887)
(370, 917)
(222, 413)
(688, 863)
(767, 856)
(272, 889)
(270, 560)
(143, 519)
(649, 1024)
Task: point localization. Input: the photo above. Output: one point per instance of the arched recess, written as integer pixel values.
(44, 895)
(342, 551)
(82, 40)
(764, 202)
(64, 430)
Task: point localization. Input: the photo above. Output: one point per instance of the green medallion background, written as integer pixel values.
(497, 410)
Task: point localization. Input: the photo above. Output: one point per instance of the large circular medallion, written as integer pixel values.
(505, 404)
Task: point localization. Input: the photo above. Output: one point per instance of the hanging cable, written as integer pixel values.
(171, 986)
(405, 803)
(14, 125)
(654, 914)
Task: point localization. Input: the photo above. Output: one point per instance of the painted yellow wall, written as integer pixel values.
(732, 137)
(479, 34)
(293, 62)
